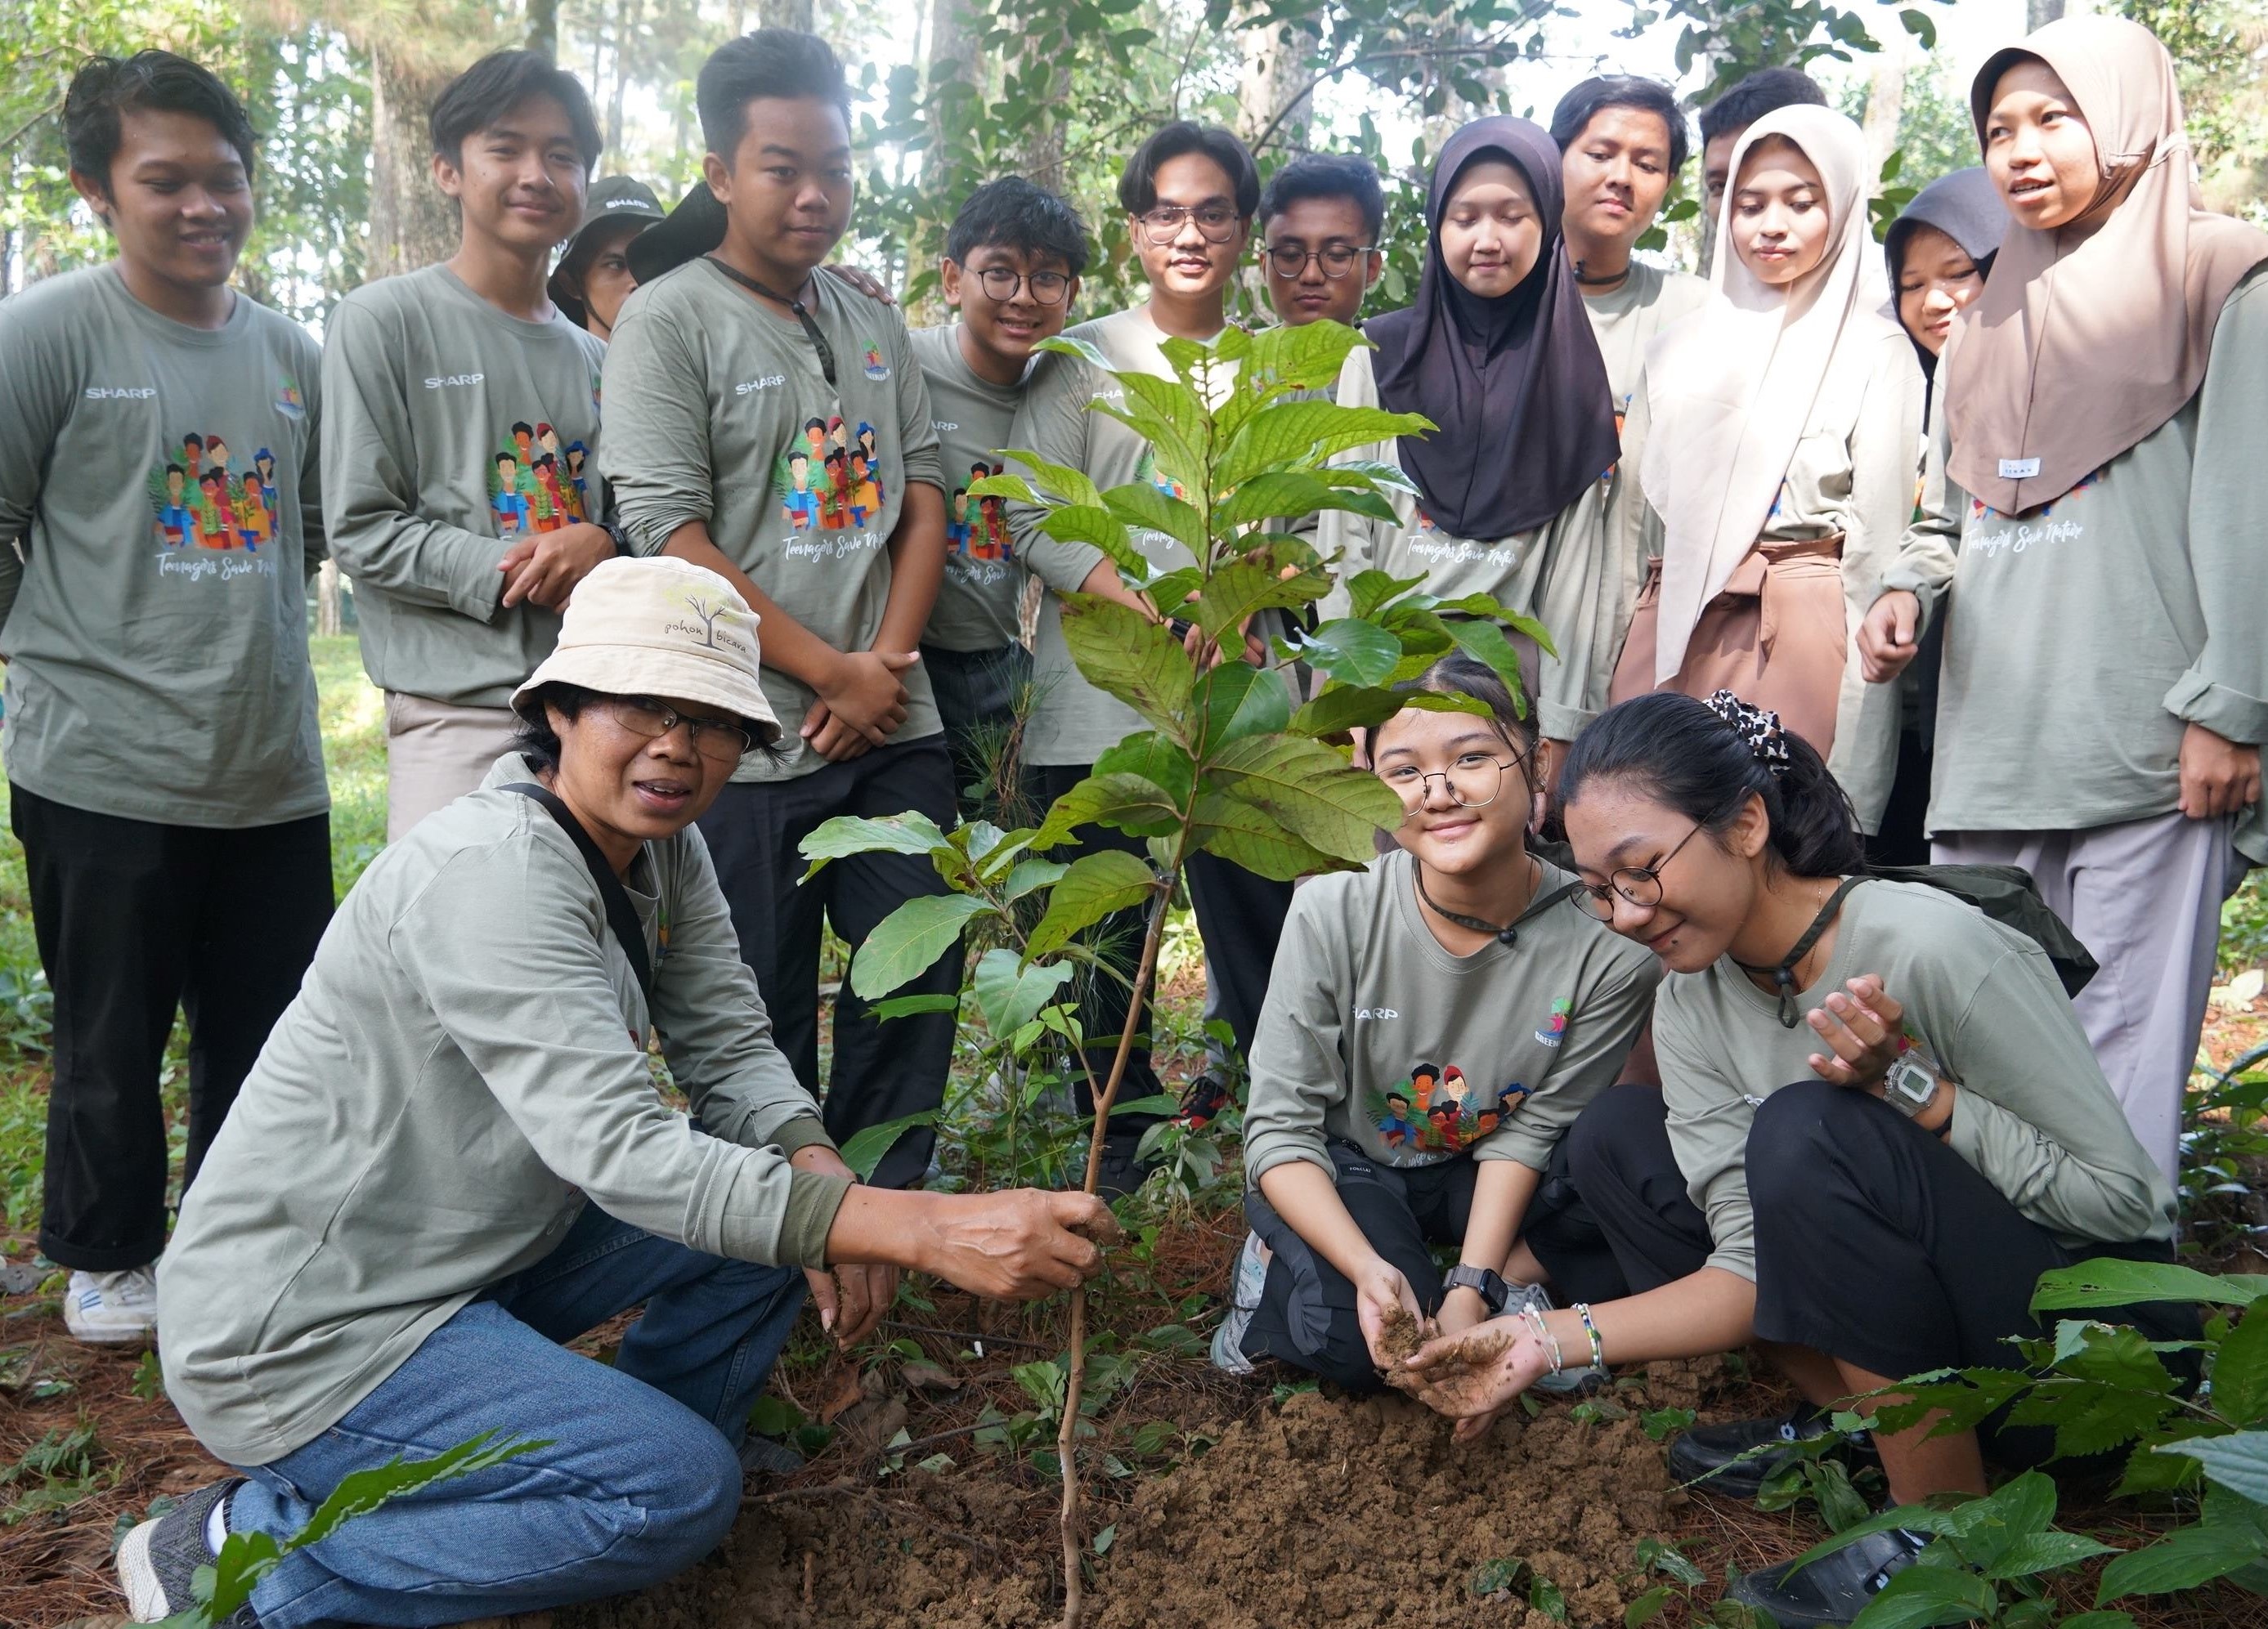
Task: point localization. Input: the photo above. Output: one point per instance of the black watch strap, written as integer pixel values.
(1494, 1292)
(622, 548)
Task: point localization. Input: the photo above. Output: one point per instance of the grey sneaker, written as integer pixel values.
(158, 1558)
(1244, 1288)
(1568, 1382)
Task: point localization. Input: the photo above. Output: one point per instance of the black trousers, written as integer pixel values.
(1240, 917)
(977, 693)
(1876, 1243)
(134, 919)
(884, 1070)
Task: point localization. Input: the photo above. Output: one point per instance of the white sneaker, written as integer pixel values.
(112, 1309)
(1244, 1288)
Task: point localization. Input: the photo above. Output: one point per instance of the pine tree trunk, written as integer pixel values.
(411, 224)
(544, 27)
(1273, 72)
(326, 597)
(786, 14)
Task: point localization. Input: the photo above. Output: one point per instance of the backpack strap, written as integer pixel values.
(621, 915)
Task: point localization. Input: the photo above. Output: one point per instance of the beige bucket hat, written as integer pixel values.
(662, 627)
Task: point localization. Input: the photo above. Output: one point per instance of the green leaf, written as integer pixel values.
(1347, 707)
(865, 1148)
(1141, 503)
(1482, 608)
(1308, 356)
(1922, 1597)
(1126, 802)
(1095, 886)
(1241, 589)
(1237, 700)
(1121, 651)
(1104, 1539)
(911, 833)
(1923, 27)
(908, 942)
(1647, 1607)
(1092, 523)
(1158, 1103)
(911, 1006)
(1251, 837)
(1485, 644)
(2112, 1282)
(1072, 486)
(2238, 1463)
(1157, 759)
(1368, 591)
(2184, 1559)
(1026, 875)
(1311, 789)
(2240, 1372)
(1352, 650)
(1009, 995)
(2033, 1553)
(1290, 433)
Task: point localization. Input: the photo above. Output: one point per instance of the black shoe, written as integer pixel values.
(1710, 1456)
(768, 1455)
(160, 1556)
(1122, 1170)
(1202, 1101)
(1832, 1590)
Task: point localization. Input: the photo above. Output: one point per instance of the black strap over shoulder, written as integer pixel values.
(621, 915)
(2007, 894)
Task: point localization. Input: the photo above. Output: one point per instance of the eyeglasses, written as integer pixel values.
(1640, 884)
(1000, 283)
(1472, 782)
(1216, 222)
(1289, 260)
(711, 738)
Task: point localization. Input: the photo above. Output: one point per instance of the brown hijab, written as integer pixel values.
(2085, 342)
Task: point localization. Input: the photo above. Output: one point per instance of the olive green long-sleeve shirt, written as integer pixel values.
(460, 1071)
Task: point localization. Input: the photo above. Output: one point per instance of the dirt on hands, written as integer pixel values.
(1463, 1371)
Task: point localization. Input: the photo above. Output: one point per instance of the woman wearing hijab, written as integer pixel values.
(1940, 250)
(1779, 454)
(2106, 656)
(1499, 353)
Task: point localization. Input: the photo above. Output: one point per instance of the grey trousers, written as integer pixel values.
(2145, 897)
(436, 752)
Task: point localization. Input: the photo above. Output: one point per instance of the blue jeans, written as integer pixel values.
(641, 1478)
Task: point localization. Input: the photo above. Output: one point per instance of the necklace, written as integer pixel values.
(1506, 934)
(1601, 282)
(801, 312)
(1783, 975)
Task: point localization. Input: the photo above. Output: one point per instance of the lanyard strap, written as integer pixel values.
(1506, 933)
(802, 315)
(1783, 975)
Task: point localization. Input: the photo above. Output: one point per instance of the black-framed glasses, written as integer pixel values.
(1640, 884)
(712, 738)
(1473, 781)
(1001, 283)
(1289, 260)
(1216, 222)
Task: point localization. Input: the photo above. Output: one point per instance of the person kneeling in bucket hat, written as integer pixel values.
(451, 1158)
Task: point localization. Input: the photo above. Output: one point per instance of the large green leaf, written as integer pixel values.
(1157, 758)
(2184, 1559)
(1011, 994)
(1095, 886)
(866, 1147)
(1026, 875)
(1369, 590)
(2238, 1463)
(1121, 651)
(1241, 589)
(1485, 644)
(1139, 503)
(1308, 356)
(1482, 608)
(2030, 1555)
(2240, 1373)
(1127, 802)
(1172, 417)
(910, 832)
(1254, 839)
(1291, 432)
(2109, 1281)
(1922, 1598)
(1352, 650)
(905, 943)
(1312, 789)
(1072, 486)
(1347, 707)
(1094, 524)
(1237, 700)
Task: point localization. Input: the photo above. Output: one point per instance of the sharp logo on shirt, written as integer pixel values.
(535, 484)
(443, 381)
(877, 370)
(289, 402)
(747, 387)
(1555, 1029)
(121, 393)
(1437, 1113)
(202, 502)
(1376, 1012)
(943, 426)
(830, 488)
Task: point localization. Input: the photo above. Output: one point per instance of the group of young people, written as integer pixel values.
(656, 521)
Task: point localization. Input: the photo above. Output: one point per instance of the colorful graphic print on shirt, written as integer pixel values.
(831, 479)
(203, 501)
(977, 528)
(535, 484)
(1437, 1112)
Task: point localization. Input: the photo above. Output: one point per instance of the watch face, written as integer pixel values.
(1912, 1081)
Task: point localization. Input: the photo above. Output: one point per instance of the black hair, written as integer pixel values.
(1402, 1098)
(815, 423)
(106, 88)
(193, 439)
(498, 83)
(1458, 674)
(1014, 213)
(1675, 752)
(1587, 100)
(523, 427)
(1329, 175)
(506, 455)
(1137, 183)
(176, 469)
(1765, 91)
(784, 63)
(533, 734)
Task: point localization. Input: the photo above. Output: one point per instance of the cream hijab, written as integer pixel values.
(1731, 387)
(2084, 342)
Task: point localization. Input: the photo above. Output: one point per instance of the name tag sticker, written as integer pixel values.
(2018, 469)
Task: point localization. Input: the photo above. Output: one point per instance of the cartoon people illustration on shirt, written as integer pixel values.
(865, 494)
(1437, 1113)
(253, 523)
(791, 480)
(505, 500)
(198, 501)
(578, 484)
(956, 522)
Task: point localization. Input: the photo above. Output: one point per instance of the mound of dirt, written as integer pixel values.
(1352, 1512)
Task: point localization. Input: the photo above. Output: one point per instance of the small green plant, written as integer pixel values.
(1508, 1578)
(57, 1472)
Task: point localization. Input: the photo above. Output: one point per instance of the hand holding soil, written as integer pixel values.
(1387, 1308)
(1474, 1376)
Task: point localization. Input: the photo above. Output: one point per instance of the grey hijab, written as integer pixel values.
(1966, 207)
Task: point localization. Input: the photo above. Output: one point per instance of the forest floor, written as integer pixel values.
(930, 1492)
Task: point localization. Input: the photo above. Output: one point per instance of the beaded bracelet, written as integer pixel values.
(1598, 1347)
(1544, 1336)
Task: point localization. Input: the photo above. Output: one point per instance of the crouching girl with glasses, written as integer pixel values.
(1432, 1027)
(1879, 1123)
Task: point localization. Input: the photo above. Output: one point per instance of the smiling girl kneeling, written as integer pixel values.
(1434, 1024)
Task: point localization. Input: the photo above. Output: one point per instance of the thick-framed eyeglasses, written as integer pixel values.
(1473, 781)
(1289, 260)
(1216, 222)
(1640, 884)
(712, 738)
(1000, 283)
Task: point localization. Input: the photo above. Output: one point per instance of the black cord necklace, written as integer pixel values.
(1783, 976)
(1506, 934)
(801, 312)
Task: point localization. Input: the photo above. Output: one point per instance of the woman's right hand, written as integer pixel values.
(1380, 1291)
(863, 693)
(1473, 1377)
(1017, 1245)
(1887, 637)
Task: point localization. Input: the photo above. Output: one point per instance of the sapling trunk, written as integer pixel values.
(1067, 1430)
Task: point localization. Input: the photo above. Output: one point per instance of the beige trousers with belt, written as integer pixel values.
(436, 752)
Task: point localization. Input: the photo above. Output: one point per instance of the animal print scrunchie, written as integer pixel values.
(1757, 727)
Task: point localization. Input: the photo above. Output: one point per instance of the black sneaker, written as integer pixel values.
(1832, 1590)
(1710, 1456)
(768, 1455)
(1122, 1172)
(159, 1557)
(1202, 1101)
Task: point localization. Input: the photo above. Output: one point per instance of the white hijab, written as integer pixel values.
(1731, 388)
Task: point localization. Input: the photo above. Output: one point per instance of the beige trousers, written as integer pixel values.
(437, 752)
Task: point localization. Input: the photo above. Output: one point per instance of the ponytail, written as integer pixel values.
(1704, 758)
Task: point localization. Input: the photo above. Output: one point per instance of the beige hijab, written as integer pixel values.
(1731, 387)
(2085, 342)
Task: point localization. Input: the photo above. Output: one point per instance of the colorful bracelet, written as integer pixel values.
(1598, 1347)
(1545, 1337)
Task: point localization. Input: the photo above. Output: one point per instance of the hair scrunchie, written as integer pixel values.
(1757, 727)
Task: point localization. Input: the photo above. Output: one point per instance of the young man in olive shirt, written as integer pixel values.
(769, 423)
(1322, 218)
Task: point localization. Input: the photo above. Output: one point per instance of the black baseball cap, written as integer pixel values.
(611, 198)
